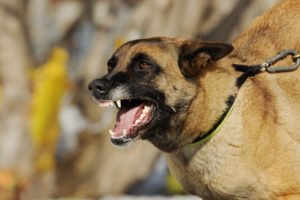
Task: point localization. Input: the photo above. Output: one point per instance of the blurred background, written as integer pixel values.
(53, 138)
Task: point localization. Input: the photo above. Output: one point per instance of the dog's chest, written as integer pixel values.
(211, 173)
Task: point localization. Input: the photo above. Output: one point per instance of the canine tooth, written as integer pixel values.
(111, 132)
(118, 102)
(174, 110)
(124, 132)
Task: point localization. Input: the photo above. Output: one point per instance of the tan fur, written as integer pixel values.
(256, 155)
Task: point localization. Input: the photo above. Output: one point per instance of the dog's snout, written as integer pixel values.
(98, 86)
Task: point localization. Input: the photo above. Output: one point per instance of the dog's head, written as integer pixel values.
(151, 83)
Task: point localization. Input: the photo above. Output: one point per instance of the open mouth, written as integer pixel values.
(134, 116)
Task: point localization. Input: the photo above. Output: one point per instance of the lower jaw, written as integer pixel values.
(119, 141)
(134, 133)
(123, 142)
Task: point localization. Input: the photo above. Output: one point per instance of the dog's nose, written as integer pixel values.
(98, 86)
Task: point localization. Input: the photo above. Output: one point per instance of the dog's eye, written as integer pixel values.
(111, 63)
(143, 65)
(109, 68)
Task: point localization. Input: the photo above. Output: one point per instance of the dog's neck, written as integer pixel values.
(215, 86)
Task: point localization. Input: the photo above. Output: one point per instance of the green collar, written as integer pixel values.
(249, 71)
(217, 127)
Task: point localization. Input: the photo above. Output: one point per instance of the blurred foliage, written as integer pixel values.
(50, 82)
(11, 185)
(173, 186)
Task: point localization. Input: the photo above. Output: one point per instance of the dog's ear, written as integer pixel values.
(196, 54)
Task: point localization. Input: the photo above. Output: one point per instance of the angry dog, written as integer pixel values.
(223, 139)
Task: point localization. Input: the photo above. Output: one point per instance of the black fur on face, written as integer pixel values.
(160, 75)
(134, 84)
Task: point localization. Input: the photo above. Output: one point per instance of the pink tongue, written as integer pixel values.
(126, 118)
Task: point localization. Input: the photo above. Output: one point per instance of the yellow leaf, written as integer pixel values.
(50, 82)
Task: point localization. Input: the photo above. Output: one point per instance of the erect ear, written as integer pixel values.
(196, 54)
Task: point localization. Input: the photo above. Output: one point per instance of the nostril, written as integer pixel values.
(90, 87)
(100, 87)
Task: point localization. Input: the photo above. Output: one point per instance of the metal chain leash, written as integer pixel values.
(267, 66)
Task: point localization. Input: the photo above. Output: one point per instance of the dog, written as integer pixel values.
(174, 91)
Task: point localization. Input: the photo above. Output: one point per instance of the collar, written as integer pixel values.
(249, 71)
(218, 125)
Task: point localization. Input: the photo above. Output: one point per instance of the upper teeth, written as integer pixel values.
(110, 103)
(119, 105)
(105, 103)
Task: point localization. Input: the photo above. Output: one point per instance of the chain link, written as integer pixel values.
(267, 66)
